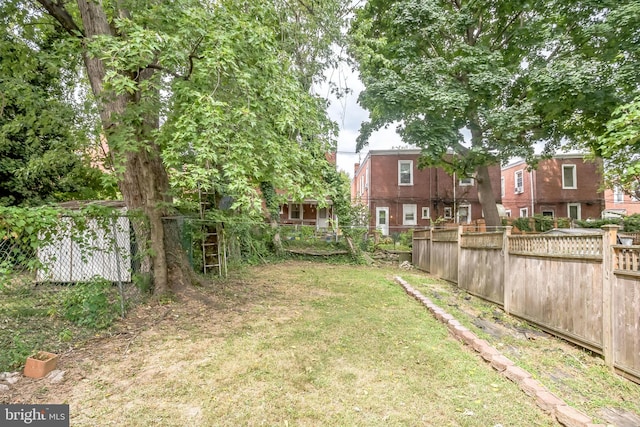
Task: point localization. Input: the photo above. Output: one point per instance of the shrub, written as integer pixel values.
(91, 304)
(523, 224)
(631, 223)
(406, 238)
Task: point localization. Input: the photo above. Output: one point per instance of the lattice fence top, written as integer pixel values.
(582, 246)
(626, 258)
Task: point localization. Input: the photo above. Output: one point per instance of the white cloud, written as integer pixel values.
(349, 115)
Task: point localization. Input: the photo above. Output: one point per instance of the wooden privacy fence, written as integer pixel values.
(582, 287)
(481, 272)
(444, 253)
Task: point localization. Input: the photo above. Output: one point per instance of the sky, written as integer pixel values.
(349, 115)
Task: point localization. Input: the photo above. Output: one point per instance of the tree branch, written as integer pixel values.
(503, 30)
(60, 14)
(306, 6)
(556, 51)
(480, 27)
(163, 69)
(193, 56)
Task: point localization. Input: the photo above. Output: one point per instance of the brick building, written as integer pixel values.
(565, 186)
(400, 196)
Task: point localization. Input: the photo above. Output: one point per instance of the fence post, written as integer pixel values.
(430, 270)
(459, 244)
(506, 282)
(116, 249)
(609, 239)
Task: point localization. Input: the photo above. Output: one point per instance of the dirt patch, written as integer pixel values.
(212, 309)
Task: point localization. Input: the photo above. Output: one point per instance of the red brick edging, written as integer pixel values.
(547, 401)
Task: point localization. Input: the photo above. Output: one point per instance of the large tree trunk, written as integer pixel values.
(271, 214)
(144, 183)
(486, 195)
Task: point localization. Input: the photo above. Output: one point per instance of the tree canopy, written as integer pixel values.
(43, 149)
(620, 149)
(198, 95)
(514, 74)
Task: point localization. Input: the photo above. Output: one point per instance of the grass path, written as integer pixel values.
(577, 376)
(297, 344)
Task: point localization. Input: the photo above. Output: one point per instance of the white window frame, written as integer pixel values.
(507, 212)
(574, 177)
(383, 227)
(466, 182)
(405, 162)
(518, 189)
(366, 179)
(291, 210)
(464, 206)
(579, 210)
(409, 209)
(448, 212)
(426, 212)
(553, 214)
(524, 212)
(502, 187)
(618, 195)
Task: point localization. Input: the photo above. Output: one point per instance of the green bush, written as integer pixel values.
(631, 223)
(16, 351)
(92, 304)
(540, 223)
(406, 238)
(523, 224)
(598, 223)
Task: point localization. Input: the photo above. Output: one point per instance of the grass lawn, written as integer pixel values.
(577, 376)
(296, 343)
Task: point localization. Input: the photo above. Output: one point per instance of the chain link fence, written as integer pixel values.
(92, 250)
(62, 281)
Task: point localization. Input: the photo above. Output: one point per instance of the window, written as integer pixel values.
(508, 213)
(524, 212)
(405, 172)
(548, 213)
(426, 214)
(618, 195)
(295, 211)
(519, 180)
(382, 217)
(409, 214)
(464, 214)
(573, 210)
(502, 193)
(569, 177)
(448, 213)
(466, 182)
